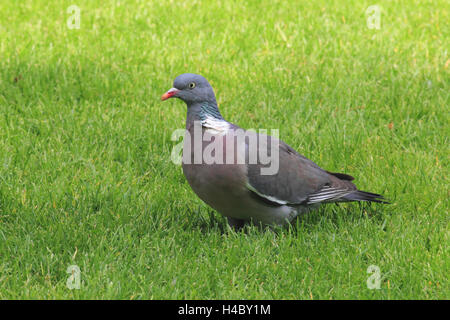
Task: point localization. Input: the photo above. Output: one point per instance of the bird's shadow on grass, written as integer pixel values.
(338, 216)
(207, 223)
(333, 215)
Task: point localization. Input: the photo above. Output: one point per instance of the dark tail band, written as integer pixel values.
(365, 196)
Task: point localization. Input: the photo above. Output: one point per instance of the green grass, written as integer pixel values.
(85, 171)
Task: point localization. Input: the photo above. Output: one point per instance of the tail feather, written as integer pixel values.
(364, 196)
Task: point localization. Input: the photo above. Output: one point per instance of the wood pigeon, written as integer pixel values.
(240, 190)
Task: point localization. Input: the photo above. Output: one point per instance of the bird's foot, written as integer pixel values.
(236, 224)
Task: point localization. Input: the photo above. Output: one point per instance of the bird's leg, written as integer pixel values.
(236, 224)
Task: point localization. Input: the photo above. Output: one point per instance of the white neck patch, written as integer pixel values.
(216, 125)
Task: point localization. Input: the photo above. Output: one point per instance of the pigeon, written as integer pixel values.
(234, 182)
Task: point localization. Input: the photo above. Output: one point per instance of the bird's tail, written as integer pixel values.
(359, 195)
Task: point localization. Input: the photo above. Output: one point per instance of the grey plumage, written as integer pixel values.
(238, 190)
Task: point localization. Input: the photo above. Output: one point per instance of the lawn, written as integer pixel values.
(85, 142)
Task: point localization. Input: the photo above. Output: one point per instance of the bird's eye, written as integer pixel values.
(192, 85)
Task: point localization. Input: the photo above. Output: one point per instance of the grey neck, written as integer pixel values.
(200, 111)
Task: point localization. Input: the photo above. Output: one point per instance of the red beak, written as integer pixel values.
(169, 94)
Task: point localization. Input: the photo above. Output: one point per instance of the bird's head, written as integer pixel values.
(191, 88)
